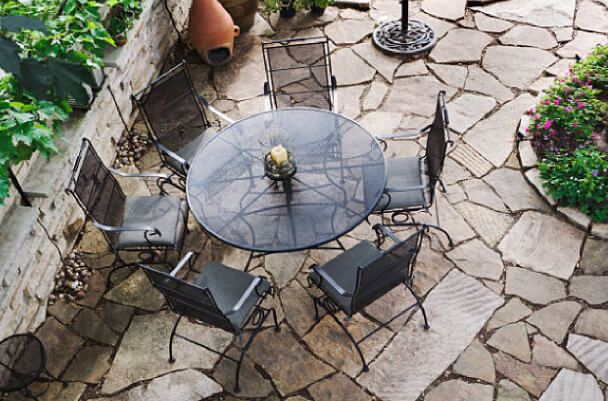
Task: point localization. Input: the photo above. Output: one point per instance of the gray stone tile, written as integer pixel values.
(457, 307)
(350, 69)
(591, 353)
(514, 190)
(563, 34)
(481, 193)
(349, 100)
(492, 25)
(64, 311)
(591, 289)
(513, 311)
(89, 324)
(384, 64)
(451, 221)
(381, 123)
(476, 362)
(489, 224)
(450, 49)
(534, 287)
(417, 95)
(458, 390)
(569, 385)
(137, 291)
(252, 383)
(89, 365)
(467, 110)
(375, 95)
(480, 81)
(143, 355)
(284, 266)
(290, 365)
(593, 323)
(409, 68)
(555, 319)
(512, 339)
(335, 388)
(60, 343)
(546, 353)
(348, 31)
(452, 10)
(471, 159)
(582, 45)
(527, 244)
(509, 391)
(298, 306)
(591, 16)
(533, 378)
(55, 392)
(524, 35)
(494, 137)
(576, 217)
(539, 13)
(476, 259)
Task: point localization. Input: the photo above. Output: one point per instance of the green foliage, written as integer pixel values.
(579, 180)
(273, 6)
(48, 47)
(566, 126)
(122, 15)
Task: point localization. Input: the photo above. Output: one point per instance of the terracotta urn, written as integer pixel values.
(212, 31)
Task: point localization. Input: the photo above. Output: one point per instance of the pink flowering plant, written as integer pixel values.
(569, 133)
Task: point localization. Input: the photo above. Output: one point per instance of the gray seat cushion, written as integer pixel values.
(191, 149)
(404, 172)
(343, 269)
(167, 213)
(227, 286)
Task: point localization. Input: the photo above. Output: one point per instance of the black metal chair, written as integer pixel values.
(221, 297)
(298, 73)
(362, 274)
(143, 224)
(22, 361)
(176, 121)
(412, 181)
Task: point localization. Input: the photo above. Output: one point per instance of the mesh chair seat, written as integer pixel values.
(22, 360)
(402, 173)
(166, 213)
(343, 269)
(227, 285)
(191, 149)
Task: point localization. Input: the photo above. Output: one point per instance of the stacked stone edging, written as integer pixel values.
(28, 266)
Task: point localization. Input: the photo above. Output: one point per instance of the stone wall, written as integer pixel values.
(28, 259)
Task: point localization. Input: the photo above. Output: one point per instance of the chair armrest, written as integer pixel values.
(405, 134)
(256, 281)
(215, 111)
(324, 276)
(406, 189)
(334, 93)
(182, 263)
(267, 106)
(153, 230)
(173, 155)
(138, 175)
(383, 232)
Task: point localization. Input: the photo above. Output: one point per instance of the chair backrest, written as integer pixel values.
(437, 142)
(298, 72)
(383, 274)
(171, 109)
(188, 299)
(96, 190)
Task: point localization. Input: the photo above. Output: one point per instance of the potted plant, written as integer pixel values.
(288, 8)
(120, 18)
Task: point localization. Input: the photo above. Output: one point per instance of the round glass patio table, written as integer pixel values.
(341, 173)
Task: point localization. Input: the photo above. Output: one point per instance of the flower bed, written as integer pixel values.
(569, 133)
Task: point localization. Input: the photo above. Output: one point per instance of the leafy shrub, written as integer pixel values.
(579, 180)
(565, 128)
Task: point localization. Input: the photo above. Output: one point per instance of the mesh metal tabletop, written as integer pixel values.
(232, 199)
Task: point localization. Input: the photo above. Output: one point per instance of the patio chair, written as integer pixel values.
(362, 274)
(221, 297)
(143, 224)
(176, 121)
(412, 181)
(298, 73)
(22, 361)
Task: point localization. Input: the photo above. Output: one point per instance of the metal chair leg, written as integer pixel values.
(171, 359)
(315, 302)
(277, 328)
(237, 376)
(352, 339)
(419, 302)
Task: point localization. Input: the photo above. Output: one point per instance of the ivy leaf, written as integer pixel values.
(9, 57)
(68, 79)
(36, 78)
(15, 23)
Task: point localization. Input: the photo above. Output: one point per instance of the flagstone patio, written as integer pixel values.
(518, 308)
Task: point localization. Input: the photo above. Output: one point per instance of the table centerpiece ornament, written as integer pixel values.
(279, 163)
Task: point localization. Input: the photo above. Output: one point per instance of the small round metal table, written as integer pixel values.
(230, 196)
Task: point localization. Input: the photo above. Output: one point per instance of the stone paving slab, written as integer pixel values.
(476, 362)
(527, 244)
(452, 10)
(336, 388)
(143, 352)
(539, 12)
(457, 309)
(509, 391)
(533, 378)
(593, 323)
(460, 46)
(476, 259)
(512, 339)
(591, 353)
(60, 343)
(458, 390)
(546, 353)
(524, 35)
(137, 291)
(534, 287)
(467, 110)
(513, 311)
(89, 365)
(555, 319)
(569, 385)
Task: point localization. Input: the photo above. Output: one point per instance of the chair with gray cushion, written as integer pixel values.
(143, 224)
(176, 121)
(362, 274)
(221, 297)
(412, 181)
